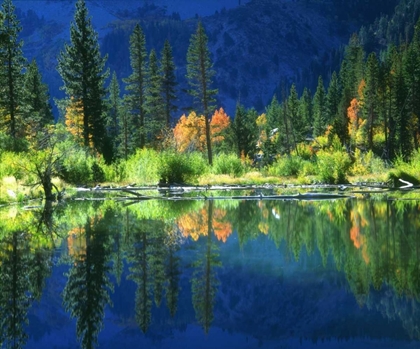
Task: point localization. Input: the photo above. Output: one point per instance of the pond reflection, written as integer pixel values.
(226, 273)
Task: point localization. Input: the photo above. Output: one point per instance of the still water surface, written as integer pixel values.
(212, 274)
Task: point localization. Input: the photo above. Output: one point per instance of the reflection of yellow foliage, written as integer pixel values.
(76, 242)
(195, 224)
(263, 227)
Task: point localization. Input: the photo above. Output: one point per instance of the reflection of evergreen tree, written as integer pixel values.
(157, 262)
(147, 257)
(204, 281)
(140, 274)
(40, 269)
(172, 273)
(88, 286)
(14, 286)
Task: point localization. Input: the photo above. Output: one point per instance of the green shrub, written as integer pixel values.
(286, 166)
(142, 167)
(76, 167)
(333, 166)
(180, 168)
(367, 163)
(98, 174)
(228, 164)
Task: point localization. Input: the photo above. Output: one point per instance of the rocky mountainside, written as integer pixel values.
(258, 46)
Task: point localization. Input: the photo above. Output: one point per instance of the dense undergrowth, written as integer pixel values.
(78, 167)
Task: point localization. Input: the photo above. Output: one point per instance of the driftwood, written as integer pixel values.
(256, 192)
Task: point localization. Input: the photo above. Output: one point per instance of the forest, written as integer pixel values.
(361, 122)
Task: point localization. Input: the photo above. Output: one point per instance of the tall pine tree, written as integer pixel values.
(12, 64)
(153, 97)
(82, 69)
(135, 85)
(169, 83)
(200, 75)
(37, 112)
(320, 107)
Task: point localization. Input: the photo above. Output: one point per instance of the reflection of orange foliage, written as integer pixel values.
(195, 224)
(221, 229)
(355, 236)
(76, 242)
(359, 240)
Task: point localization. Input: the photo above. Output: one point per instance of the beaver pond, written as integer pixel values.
(243, 273)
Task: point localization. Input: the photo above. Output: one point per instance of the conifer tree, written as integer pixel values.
(114, 113)
(412, 79)
(135, 85)
(83, 72)
(169, 83)
(297, 122)
(351, 73)
(333, 99)
(200, 77)
(371, 100)
(243, 130)
(319, 109)
(305, 109)
(37, 112)
(153, 97)
(12, 64)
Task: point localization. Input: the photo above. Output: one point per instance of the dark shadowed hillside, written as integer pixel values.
(258, 46)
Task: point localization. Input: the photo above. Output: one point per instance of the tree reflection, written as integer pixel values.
(204, 282)
(25, 263)
(88, 287)
(15, 299)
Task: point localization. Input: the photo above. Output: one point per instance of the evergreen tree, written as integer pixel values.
(412, 79)
(305, 109)
(153, 97)
(169, 83)
(399, 134)
(320, 107)
(38, 112)
(82, 70)
(333, 99)
(371, 100)
(12, 64)
(114, 111)
(135, 85)
(351, 73)
(243, 130)
(297, 122)
(200, 77)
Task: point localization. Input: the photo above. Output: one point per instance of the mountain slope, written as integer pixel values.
(258, 46)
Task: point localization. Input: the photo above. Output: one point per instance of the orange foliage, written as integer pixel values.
(353, 115)
(219, 122)
(190, 131)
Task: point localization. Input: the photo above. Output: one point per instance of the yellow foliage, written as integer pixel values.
(190, 131)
